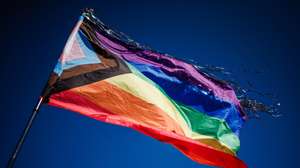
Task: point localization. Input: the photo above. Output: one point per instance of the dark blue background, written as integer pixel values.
(249, 35)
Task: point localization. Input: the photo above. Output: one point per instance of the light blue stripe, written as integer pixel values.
(90, 57)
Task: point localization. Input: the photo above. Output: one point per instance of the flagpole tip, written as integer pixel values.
(88, 11)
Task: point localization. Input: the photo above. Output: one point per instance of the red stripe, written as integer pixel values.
(198, 152)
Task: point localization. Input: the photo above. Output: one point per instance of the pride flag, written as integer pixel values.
(102, 75)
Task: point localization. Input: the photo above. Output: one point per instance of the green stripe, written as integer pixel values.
(198, 121)
(207, 125)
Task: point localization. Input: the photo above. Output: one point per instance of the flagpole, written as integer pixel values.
(34, 113)
(18, 147)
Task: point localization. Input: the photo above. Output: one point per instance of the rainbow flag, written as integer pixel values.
(105, 76)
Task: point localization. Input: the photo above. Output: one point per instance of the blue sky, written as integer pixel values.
(240, 36)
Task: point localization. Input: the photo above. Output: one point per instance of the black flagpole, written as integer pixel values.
(35, 111)
(14, 155)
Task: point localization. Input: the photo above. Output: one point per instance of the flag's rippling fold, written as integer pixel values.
(105, 78)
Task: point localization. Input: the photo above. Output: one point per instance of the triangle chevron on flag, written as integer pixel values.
(106, 76)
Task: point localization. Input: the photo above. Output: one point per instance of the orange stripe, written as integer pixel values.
(120, 102)
(198, 152)
(116, 100)
(216, 145)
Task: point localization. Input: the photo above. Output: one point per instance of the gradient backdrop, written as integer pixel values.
(242, 37)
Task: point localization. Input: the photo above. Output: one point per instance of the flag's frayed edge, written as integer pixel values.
(251, 106)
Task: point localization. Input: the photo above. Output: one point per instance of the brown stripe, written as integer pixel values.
(108, 61)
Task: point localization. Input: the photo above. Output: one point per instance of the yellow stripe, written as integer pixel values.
(147, 92)
(138, 87)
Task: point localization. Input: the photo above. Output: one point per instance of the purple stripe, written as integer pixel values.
(173, 67)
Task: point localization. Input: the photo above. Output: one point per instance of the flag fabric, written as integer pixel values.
(103, 76)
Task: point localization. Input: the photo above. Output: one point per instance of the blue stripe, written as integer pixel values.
(193, 96)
